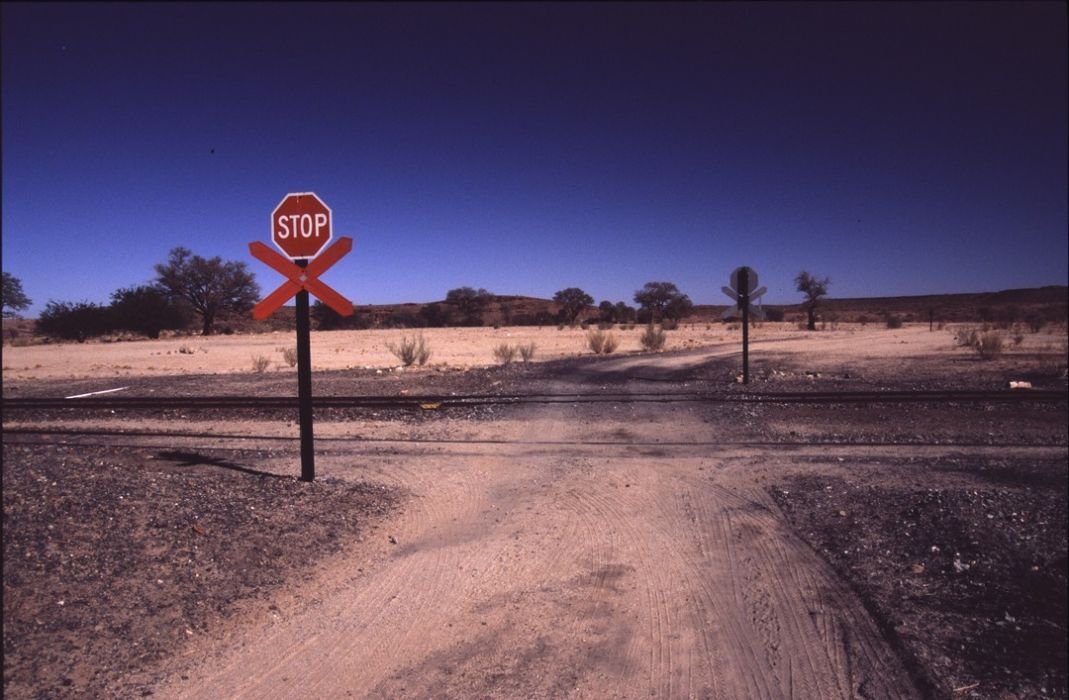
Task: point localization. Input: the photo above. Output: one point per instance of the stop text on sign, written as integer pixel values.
(305, 225)
(301, 225)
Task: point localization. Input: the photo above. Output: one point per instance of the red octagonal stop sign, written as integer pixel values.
(301, 225)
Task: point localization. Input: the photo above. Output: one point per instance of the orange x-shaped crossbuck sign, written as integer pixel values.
(302, 278)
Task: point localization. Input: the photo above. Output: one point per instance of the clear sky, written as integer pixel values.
(899, 148)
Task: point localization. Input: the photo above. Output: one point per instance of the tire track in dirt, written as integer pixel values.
(522, 572)
(434, 580)
(817, 603)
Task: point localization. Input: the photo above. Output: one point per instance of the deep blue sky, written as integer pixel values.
(901, 148)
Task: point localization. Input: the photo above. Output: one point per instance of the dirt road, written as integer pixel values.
(543, 566)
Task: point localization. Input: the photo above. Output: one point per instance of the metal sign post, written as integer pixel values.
(301, 227)
(744, 290)
(744, 304)
(304, 383)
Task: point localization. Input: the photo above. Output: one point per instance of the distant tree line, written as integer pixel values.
(466, 306)
(187, 288)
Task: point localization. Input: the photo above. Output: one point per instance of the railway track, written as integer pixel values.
(436, 401)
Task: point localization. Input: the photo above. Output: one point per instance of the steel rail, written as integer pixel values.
(437, 401)
(340, 441)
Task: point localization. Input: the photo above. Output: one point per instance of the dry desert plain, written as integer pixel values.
(473, 347)
(641, 545)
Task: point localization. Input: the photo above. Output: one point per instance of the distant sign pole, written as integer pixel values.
(744, 304)
(301, 227)
(743, 290)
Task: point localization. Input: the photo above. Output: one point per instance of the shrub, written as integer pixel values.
(669, 324)
(652, 338)
(505, 354)
(894, 322)
(411, 351)
(260, 363)
(290, 356)
(405, 320)
(989, 345)
(470, 303)
(325, 318)
(601, 342)
(74, 321)
(605, 325)
(1018, 339)
(436, 314)
(967, 337)
(527, 352)
(596, 341)
(147, 310)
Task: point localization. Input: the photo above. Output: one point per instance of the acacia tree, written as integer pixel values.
(210, 286)
(14, 299)
(814, 289)
(663, 300)
(470, 302)
(572, 300)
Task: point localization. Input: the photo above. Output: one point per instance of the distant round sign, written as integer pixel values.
(301, 225)
(751, 281)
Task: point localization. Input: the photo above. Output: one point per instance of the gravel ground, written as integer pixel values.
(968, 578)
(117, 559)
